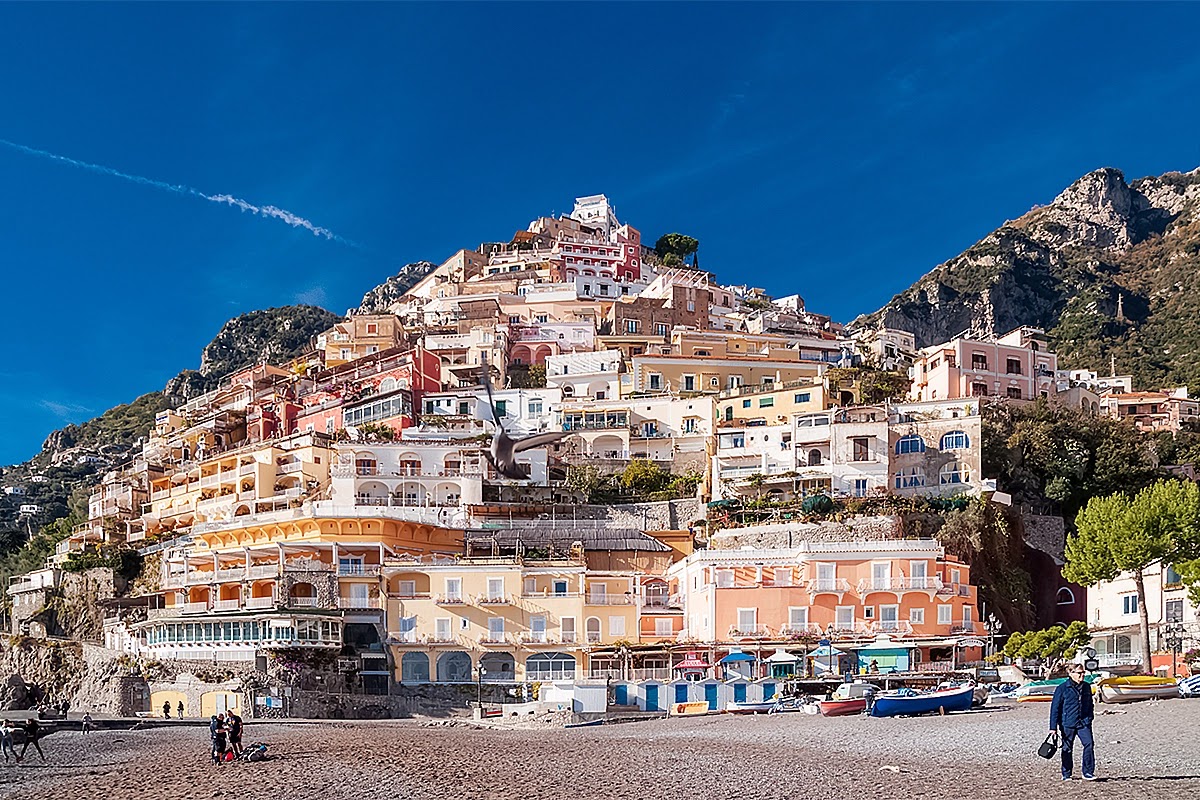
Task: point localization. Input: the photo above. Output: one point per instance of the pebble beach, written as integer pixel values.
(1150, 748)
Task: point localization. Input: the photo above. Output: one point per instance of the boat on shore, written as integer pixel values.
(749, 708)
(849, 698)
(1131, 688)
(908, 703)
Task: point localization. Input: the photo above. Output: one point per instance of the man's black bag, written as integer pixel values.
(1049, 747)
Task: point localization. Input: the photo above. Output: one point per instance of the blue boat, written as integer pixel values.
(908, 703)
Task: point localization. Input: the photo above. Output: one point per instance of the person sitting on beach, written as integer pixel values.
(87, 722)
(33, 732)
(234, 723)
(6, 739)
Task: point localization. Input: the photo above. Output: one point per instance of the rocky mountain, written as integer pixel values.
(379, 299)
(274, 335)
(1110, 269)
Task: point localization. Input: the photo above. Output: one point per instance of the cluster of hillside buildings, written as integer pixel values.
(342, 502)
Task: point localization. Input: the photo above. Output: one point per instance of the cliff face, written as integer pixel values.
(1062, 267)
(379, 299)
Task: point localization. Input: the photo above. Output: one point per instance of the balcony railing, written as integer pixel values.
(493, 637)
(660, 603)
(544, 675)
(536, 637)
(291, 466)
(492, 599)
(358, 602)
(303, 602)
(227, 605)
(750, 632)
(609, 599)
(830, 585)
(246, 469)
(900, 583)
(964, 627)
(799, 628)
(901, 627)
(255, 603)
(652, 674)
(568, 637)
(449, 599)
(350, 570)
(195, 608)
(263, 571)
(547, 595)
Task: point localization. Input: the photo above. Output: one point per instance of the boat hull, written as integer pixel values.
(842, 708)
(930, 703)
(749, 708)
(1136, 687)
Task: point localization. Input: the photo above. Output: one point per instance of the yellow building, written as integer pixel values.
(684, 374)
(358, 336)
(768, 405)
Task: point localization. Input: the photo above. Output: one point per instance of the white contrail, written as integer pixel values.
(265, 211)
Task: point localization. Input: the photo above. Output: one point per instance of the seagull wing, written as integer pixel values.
(538, 440)
(487, 382)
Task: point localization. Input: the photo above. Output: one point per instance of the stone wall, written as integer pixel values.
(792, 534)
(1045, 533)
(435, 700)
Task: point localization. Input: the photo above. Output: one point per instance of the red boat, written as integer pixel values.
(842, 708)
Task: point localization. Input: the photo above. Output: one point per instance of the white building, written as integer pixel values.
(585, 375)
(521, 410)
(744, 452)
(1113, 619)
(843, 451)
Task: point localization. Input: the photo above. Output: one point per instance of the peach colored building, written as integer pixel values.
(1017, 366)
(853, 592)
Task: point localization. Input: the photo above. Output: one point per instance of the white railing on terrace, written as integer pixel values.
(751, 632)
(652, 674)
(492, 637)
(358, 602)
(491, 599)
(195, 608)
(544, 675)
(536, 637)
(900, 584)
(797, 628)
(246, 469)
(291, 466)
(303, 602)
(449, 599)
(836, 585)
(609, 599)
(226, 605)
(263, 571)
(900, 626)
(674, 601)
(350, 570)
(260, 602)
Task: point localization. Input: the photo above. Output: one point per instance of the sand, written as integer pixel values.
(1151, 748)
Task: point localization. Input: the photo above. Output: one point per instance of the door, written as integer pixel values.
(826, 576)
(441, 629)
(889, 617)
(495, 589)
(567, 626)
(537, 629)
(919, 572)
(621, 694)
(881, 576)
(739, 693)
(710, 696)
(681, 693)
(652, 697)
(598, 594)
(360, 595)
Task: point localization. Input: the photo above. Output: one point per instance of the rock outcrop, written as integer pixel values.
(381, 298)
(1108, 269)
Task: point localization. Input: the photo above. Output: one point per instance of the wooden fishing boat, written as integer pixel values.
(842, 708)
(1036, 698)
(749, 708)
(1131, 688)
(907, 703)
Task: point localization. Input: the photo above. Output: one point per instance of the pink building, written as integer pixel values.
(1017, 365)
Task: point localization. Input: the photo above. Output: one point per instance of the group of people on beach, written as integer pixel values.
(225, 729)
(33, 735)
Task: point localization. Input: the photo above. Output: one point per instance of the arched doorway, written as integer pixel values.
(302, 594)
(454, 667)
(501, 668)
(550, 667)
(414, 668)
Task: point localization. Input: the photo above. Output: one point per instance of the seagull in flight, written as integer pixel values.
(502, 453)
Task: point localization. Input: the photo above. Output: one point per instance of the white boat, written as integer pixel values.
(749, 708)
(1136, 687)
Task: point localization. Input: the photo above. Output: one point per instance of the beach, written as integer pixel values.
(1148, 747)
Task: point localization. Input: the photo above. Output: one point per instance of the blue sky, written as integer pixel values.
(835, 150)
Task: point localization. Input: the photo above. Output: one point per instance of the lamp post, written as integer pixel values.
(479, 689)
(993, 625)
(1174, 640)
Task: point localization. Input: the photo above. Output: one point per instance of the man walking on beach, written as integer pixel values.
(33, 732)
(1071, 714)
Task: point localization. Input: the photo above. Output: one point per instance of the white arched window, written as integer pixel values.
(1065, 596)
(955, 440)
(387, 385)
(955, 472)
(593, 629)
(910, 444)
(814, 458)
(910, 478)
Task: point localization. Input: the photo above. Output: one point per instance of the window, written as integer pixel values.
(655, 381)
(783, 576)
(747, 403)
(691, 306)
(860, 487)
(663, 627)
(945, 615)
(464, 408)
(954, 472)
(910, 478)
(979, 361)
(955, 440)
(802, 397)
(861, 446)
(979, 390)
(660, 329)
(495, 629)
(1013, 366)
(766, 402)
(911, 443)
(441, 629)
(495, 589)
(724, 578)
(845, 617)
(689, 383)
(560, 588)
(1173, 577)
(868, 612)
(1174, 611)
(735, 381)
(747, 619)
(631, 326)
(1129, 604)
(408, 589)
(535, 408)
(798, 618)
(616, 626)
(814, 458)
(502, 408)
(542, 318)
(454, 589)
(1013, 392)
(916, 616)
(737, 440)
(1065, 596)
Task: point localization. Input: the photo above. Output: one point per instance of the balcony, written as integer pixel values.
(652, 674)
(658, 604)
(901, 583)
(547, 675)
(495, 637)
(609, 599)
(452, 599)
(195, 608)
(263, 571)
(959, 589)
(964, 627)
(828, 586)
(800, 629)
(492, 600)
(548, 595)
(291, 466)
(352, 603)
(258, 603)
(568, 637)
(246, 469)
(900, 627)
(751, 632)
(227, 605)
(303, 602)
(536, 637)
(441, 640)
(358, 570)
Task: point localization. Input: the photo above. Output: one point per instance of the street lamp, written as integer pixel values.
(479, 690)
(1173, 635)
(993, 625)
